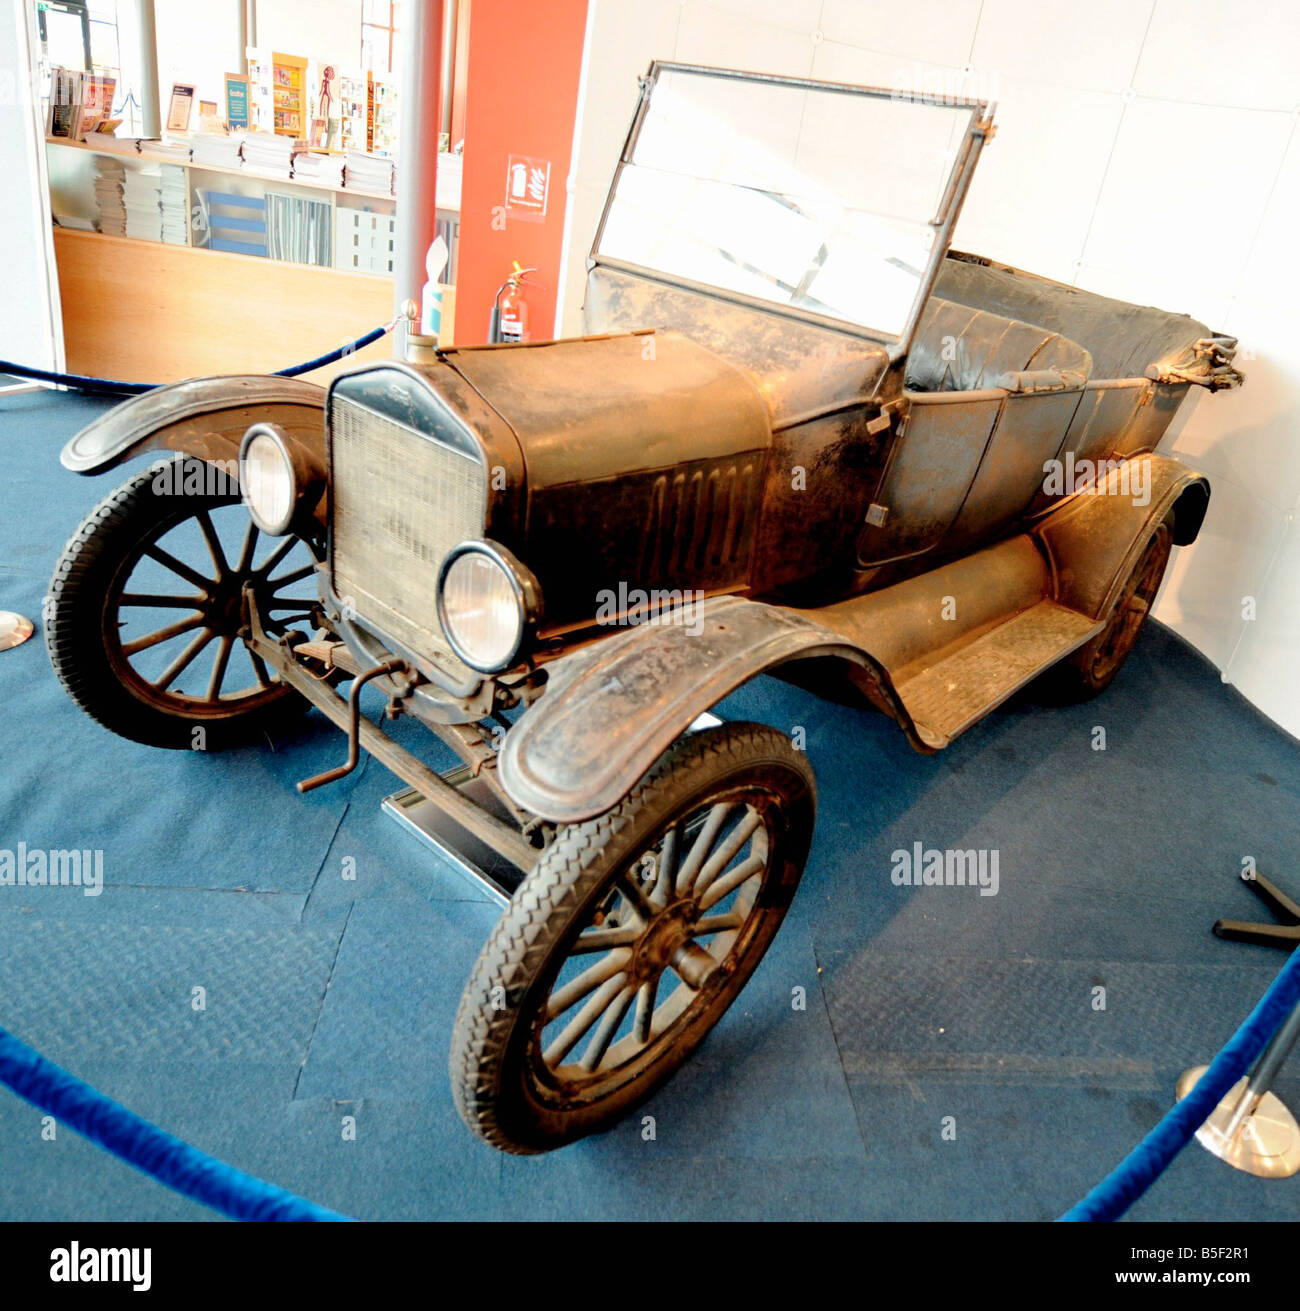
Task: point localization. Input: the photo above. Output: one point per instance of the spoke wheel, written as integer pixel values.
(145, 618)
(630, 939)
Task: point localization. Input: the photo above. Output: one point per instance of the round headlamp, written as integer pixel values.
(487, 602)
(268, 478)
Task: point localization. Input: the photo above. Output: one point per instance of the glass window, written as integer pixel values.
(378, 30)
(818, 198)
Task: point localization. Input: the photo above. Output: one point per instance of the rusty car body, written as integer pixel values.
(801, 436)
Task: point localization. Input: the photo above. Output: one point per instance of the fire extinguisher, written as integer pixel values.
(510, 308)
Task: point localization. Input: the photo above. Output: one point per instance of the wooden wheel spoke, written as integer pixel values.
(586, 982)
(162, 635)
(276, 558)
(276, 584)
(249, 548)
(184, 660)
(204, 520)
(606, 1030)
(604, 940)
(219, 667)
(717, 924)
(645, 1010)
(702, 845)
(180, 568)
(729, 882)
(160, 601)
(726, 853)
(581, 1023)
(666, 871)
(634, 894)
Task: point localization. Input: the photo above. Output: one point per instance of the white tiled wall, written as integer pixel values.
(1147, 149)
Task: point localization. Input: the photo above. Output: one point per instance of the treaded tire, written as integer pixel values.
(490, 1045)
(94, 565)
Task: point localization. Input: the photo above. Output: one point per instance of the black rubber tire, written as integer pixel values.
(76, 611)
(489, 1048)
(1092, 668)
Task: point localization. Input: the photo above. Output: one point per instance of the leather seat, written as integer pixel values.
(961, 349)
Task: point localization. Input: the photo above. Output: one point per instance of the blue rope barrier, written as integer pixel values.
(1149, 1159)
(166, 1158)
(114, 387)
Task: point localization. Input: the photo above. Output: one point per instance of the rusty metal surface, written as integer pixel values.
(203, 417)
(596, 407)
(644, 456)
(1094, 540)
(957, 688)
(799, 369)
(935, 459)
(904, 625)
(612, 709)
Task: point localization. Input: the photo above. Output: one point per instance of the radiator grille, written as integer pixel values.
(401, 501)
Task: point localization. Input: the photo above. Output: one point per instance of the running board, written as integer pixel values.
(947, 696)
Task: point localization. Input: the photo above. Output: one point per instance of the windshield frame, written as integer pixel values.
(980, 128)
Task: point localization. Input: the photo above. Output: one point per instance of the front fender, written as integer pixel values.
(204, 417)
(611, 709)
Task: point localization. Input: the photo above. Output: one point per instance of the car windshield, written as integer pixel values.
(822, 198)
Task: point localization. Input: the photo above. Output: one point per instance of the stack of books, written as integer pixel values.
(218, 151)
(142, 196)
(318, 168)
(177, 148)
(109, 177)
(272, 154)
(174, 196)
(118, 145)
(373, 173)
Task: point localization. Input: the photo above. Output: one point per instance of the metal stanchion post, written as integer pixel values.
(1251, 1128)
(15, 629)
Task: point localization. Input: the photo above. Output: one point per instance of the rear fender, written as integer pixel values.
(611, 709)
(1094, 541)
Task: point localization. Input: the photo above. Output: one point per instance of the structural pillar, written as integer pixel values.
(147, 62)
(419, 119)
(247, 31)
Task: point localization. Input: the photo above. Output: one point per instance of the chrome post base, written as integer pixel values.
(1262, 1139)
(14, 629)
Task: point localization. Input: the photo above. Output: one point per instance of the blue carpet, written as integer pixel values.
(327, 997)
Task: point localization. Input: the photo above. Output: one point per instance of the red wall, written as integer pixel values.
(524, 65)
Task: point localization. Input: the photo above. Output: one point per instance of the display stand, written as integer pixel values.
(1251, 1128)
(1268, 935)
(458, 849)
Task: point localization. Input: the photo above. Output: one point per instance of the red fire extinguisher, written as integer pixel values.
(510, 308)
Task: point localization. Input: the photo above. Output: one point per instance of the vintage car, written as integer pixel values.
(803, 437)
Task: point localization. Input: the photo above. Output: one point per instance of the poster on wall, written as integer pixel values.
(236, 101)
(180, 107)
(528, 185)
